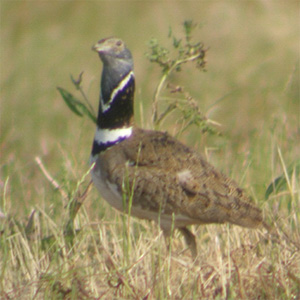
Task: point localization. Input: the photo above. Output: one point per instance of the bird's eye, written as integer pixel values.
(119, 43)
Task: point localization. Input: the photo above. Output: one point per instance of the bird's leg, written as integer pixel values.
(190, 240)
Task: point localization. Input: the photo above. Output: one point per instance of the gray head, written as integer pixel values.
(117, 63)
(114, 54)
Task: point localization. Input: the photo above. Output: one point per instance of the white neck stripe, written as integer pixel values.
(122, 84)
(104, 136)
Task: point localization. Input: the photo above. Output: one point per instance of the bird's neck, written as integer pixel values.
(115, 115)
(116, 100)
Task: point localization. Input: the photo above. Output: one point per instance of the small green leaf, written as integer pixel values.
(78, 107)
(170, 32)
(188, 25)
(77, 81)
(281, 181)
(70, 100)
(176, 42)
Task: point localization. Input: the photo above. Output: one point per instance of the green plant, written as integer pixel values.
(183, 50)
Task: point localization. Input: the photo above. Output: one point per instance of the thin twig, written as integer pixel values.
(162, 83)
(85, 193)
(87, 100)
(54, 183)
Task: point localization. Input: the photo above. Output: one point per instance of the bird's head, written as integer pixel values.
(114, 53)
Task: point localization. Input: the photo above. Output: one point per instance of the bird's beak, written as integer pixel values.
(101, 46)
(96, 48)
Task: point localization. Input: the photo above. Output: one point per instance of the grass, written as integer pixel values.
(59, 240)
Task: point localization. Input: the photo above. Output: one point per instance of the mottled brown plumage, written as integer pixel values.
(163, 175)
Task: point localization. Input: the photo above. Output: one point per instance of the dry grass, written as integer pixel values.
(47, 251)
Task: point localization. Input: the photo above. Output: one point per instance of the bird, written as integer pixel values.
(150, 174)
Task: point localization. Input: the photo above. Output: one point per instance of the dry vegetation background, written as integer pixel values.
(251, 87)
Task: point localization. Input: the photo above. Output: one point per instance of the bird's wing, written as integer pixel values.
(161, 174)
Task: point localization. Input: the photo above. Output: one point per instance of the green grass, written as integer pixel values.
(66, 242)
